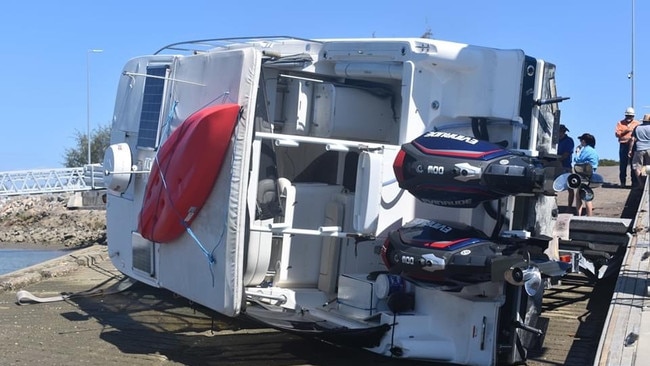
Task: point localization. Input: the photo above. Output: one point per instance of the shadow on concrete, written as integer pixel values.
(581, 300)
(632, 202)
(149, 321)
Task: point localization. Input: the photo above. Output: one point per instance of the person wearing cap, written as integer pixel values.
(586, 156)
(623, 133)
(639, 148)
(565, 147)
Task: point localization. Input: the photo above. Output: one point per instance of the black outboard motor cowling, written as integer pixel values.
(442, 251)
(453, 170)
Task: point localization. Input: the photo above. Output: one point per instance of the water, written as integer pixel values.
(15, 259)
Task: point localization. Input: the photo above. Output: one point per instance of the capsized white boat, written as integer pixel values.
(343, 188)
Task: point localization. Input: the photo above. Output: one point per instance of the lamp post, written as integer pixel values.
(632, 48)
(88, 98)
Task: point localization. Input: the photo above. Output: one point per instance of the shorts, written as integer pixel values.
(640, 159)
(585, 170)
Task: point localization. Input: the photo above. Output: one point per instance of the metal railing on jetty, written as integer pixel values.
(22, 182)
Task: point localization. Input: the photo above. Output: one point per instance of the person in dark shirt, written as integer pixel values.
(565, 147)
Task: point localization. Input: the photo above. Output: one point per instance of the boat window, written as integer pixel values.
(152, 102)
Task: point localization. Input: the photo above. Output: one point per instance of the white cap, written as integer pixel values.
(629, 111)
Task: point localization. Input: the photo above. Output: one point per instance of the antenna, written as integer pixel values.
(427, 31)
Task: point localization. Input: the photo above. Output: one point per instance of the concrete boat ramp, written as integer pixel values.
(586, 321)
(141, 325)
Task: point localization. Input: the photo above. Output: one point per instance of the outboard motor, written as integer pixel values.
(442, 251)
(452, 170)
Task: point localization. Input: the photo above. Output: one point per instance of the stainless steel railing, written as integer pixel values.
(22, 182)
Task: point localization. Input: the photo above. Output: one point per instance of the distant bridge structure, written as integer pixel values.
(59, 180)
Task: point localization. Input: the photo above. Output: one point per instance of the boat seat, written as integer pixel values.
(260, 249)
(306, 207)
(268, 200)
(330, 249)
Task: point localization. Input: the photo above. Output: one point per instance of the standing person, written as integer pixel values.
(641, 154)
(623, 133)
(565, 147)
(587, 156)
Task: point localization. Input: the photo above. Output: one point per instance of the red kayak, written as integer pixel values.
(186, 168)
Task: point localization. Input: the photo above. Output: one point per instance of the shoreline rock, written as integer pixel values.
(45, 221)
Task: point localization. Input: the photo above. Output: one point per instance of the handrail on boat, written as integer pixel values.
(206, 44)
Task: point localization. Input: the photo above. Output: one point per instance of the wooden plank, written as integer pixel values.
(627, 305)
(616, 327)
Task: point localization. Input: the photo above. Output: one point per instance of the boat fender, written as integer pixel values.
(388, 284)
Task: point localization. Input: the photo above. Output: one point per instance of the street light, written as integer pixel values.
(631, 75)
(88, 97)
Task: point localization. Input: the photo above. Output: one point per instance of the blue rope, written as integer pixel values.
(167, 128)
(207, 254)
(167, 125)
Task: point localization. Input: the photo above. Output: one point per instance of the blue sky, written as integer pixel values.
(45, 46)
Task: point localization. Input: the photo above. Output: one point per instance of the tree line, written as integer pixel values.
(77, 155)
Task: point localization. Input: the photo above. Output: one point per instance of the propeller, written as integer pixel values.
(574, 181)
(514, 276)
(529, 277)
(532, 280)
